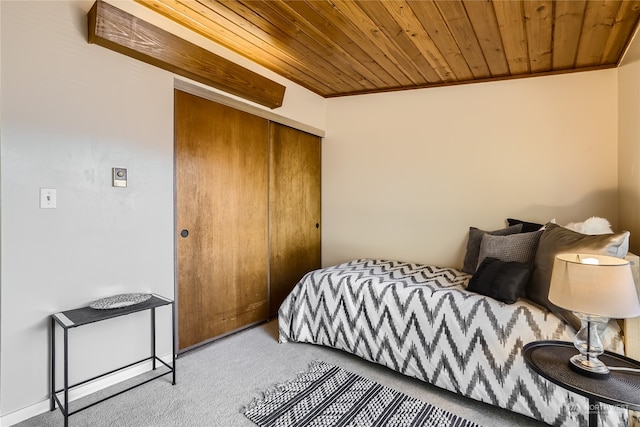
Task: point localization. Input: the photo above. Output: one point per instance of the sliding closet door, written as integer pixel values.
(294, 209)
(221, 164)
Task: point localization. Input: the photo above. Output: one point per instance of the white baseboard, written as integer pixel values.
(30, 411)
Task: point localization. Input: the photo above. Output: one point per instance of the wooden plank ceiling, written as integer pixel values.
(344, 47)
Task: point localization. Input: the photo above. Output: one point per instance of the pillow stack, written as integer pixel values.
(517, 260)
(501, 261)
(475, 240)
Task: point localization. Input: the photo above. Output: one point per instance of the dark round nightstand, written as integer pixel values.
(550, 359)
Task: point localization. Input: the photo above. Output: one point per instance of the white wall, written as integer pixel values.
(70, 112)
(629, 146)
(406, 173)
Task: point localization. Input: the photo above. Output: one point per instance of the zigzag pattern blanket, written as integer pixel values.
(421, 321)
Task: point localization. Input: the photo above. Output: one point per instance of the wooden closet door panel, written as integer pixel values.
(221, 163)
(294, 209)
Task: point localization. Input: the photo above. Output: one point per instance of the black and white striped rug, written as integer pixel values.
(327, 395)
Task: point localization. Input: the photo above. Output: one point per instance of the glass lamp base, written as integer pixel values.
(591, 367)
(590, 346)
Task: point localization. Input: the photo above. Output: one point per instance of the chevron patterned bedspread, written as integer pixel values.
(421, 321)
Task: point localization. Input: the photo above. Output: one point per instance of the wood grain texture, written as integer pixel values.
(438, 31)
(538, 24)
(221, 163)
(510, 16)
(399, 46)
(569, 17)
(119, 31)
(320, 57)
(294, 209)
(455, 15)
(345, 47)
(599, 18)
(485, 25)
(411, 29)
(625, 23)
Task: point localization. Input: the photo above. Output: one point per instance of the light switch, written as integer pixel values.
(48, 198)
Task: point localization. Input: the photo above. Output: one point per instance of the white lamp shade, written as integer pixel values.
(594, 284)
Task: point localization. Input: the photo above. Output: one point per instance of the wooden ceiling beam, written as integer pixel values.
(121, 32)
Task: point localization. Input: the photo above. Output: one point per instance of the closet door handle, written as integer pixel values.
(317, 225)
(184, 233)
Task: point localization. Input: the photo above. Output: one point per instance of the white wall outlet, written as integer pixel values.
(48, 198)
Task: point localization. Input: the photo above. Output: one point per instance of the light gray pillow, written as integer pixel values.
(519, 247)
(556, 239)
(475, 239)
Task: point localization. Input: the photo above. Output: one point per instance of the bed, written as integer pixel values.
(422, 321)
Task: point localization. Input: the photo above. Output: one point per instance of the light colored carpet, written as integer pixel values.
(215, 381)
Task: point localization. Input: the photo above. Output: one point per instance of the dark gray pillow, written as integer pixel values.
(519, 247)
(527, 226)
(500, 280)
(475, 239)
(556, 239)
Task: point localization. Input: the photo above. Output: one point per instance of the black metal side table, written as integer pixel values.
(83, 316)
(550, 359)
